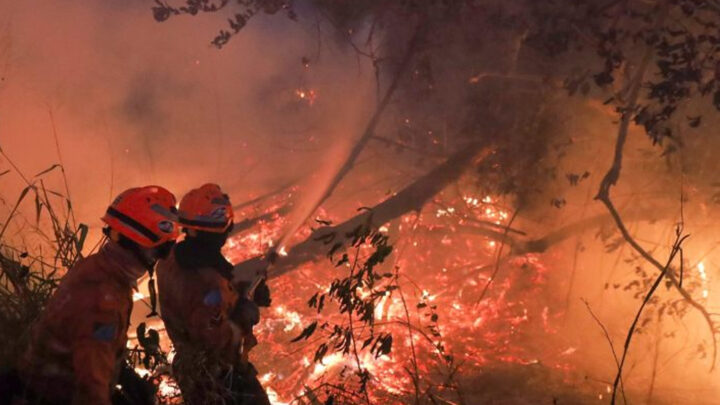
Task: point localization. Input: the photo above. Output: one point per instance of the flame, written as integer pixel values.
(446, 285)
(168, 388)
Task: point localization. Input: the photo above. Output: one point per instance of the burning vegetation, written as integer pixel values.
(465, 202)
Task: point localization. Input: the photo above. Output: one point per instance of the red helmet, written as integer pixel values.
(145, 215)
(206, 209)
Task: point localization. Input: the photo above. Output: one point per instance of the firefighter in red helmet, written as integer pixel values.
(207, 320)
(77, 344)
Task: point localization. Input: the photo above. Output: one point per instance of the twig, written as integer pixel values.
(370, 129)
(573, 272)
(653, 377)
(14, 209)
(612, 346)
(484, 223)
(62, 168)
(416, 372)
(677, 247)
(497, 259)
(17, 170)
(361, 370)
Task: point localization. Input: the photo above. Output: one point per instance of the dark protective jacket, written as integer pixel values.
(206, 321)
(77, 344)
(195, 305)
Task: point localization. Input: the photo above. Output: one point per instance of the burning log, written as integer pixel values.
(251, 222)
(412, 198)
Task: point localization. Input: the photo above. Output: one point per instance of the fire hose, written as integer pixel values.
(246, 313)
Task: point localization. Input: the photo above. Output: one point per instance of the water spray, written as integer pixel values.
(278, 249)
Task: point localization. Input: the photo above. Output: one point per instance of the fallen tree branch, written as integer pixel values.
(248, 223)
(543, 243)
(286, 186)
(411, 198)
(520, 246)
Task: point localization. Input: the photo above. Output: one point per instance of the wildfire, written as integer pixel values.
(440, 317)
(463, 326)
(291, 319)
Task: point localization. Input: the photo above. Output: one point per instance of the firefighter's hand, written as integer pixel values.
(249, 341)
(262, 295)
(265, 262)
(245, 314)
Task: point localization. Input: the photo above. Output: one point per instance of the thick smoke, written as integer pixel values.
(137, 102)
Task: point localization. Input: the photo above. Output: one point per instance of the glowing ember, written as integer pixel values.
(447, 311)
(307, 95)
(168, 388)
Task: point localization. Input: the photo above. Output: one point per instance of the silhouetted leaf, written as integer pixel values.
(306, 333)
(56, 165)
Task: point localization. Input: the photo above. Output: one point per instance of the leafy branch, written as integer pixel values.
(357, 295)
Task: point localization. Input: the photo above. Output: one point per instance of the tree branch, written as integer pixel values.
(497, 259)
(411, 198)
(613, 175)
(677, 248)
(286, 186)
(248, 223)
(370, 129)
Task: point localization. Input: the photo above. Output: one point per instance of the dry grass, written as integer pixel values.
(30, 271)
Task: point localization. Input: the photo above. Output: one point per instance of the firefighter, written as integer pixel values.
(77, 344)
(207, 319)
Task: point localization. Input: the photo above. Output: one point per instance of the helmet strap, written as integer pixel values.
(149, 264)
(153, 295)
(145, 259)
(160, 252)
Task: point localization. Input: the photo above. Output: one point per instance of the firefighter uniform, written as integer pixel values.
(204, 315)
(77, 345)
(81, 337)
